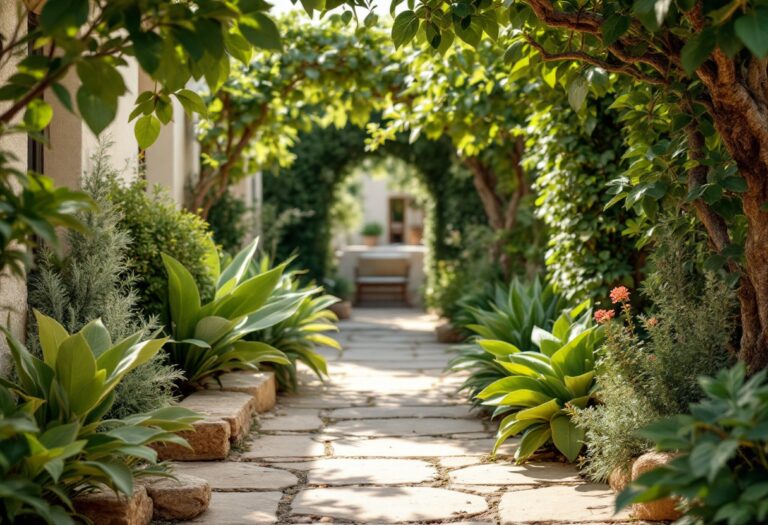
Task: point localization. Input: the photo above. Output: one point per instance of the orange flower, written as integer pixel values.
(619, 294)
(603, 316)
(653, 322)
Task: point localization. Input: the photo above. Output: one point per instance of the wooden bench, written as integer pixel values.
(382, 272)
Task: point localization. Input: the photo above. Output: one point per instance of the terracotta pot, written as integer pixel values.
(663, 509)
(446, 333)
(343, 310)
(370, 240)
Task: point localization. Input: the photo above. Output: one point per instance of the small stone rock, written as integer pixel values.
(446, 333)
(343, 310)
(106, 508)
(183, 498)
(210, 440)
(620, 478)
(663, 509)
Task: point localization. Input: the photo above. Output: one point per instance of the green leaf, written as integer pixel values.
(577, 92)
(261, 31)
(697, 49)
(119, 476)
(533, 439)
(97, 112)
(63, 95)
(191, 101)
(183, 297)
(37, 115)
(51, 335)
(752, 29)
(147, 130)
(63, 14)
(614, 27)
(568, 438)
(404, 28)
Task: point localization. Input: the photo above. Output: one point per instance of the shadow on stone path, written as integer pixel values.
(388, 440)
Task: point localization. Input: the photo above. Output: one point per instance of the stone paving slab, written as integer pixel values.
(581, 503)
(511, 474)
(369, 472)
(415, 447)
(233, 475)
(451, 411)
(292, 419)
(246, 508)
(283, 446)
(387, 504)
(404, 427)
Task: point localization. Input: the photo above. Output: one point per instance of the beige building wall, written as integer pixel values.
(72, 144)
(13, 289)
(175, 157)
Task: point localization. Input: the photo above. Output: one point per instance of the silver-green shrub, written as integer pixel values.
(92, 281)
(650, 364)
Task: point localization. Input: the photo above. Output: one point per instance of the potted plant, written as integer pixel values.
(371, 233)
(343, 289)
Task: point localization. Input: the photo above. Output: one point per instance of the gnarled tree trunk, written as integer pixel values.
(739, 107)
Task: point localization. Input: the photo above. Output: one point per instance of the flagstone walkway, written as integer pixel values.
(388, 440)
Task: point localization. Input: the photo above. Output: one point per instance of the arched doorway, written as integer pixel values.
(324, 158)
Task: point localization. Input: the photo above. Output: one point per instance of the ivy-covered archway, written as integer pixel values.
(323, 158)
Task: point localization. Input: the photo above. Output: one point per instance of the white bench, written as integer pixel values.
(382, 272)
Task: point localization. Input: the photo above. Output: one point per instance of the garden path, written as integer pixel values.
(388, 440)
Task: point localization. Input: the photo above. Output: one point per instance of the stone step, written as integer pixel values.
(261, 385)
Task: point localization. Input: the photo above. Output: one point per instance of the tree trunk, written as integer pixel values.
(740, 114)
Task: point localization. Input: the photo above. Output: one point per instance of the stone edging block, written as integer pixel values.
(106, 508)
(261, 385)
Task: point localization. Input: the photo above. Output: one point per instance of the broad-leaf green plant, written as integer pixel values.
(23, 497)
(510, 316)
(299, 335)
(541, 386)
(210, 339)
(720, 470)
(68, 391)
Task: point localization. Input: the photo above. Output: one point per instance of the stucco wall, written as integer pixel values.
(72, 144)
(13, 289)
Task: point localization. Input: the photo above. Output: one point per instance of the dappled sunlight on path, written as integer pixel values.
(388, 440)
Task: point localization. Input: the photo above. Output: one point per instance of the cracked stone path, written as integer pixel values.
(388, 440)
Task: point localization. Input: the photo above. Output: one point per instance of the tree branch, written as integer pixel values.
(581, 56)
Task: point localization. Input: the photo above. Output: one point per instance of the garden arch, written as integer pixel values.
(323, 158)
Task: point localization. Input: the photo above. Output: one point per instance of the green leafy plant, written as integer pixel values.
(92, 281)
(372, 229)
(155, 224)
(340, 287)
(650, 364)
(68, 392)
(22, 497)
(172, 43)
(720, 470)
(209, 338)
(511, 316)
(541, 387)
(230, 222)
(299, 335)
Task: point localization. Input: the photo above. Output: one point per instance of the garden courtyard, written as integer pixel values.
(389, 440)
(365, 261)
